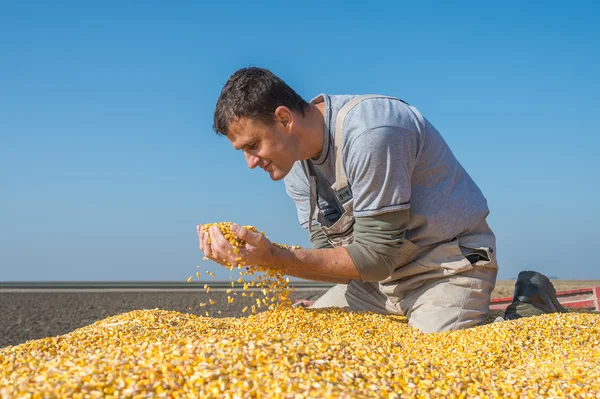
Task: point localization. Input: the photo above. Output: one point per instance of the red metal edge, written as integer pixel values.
(500, 300)
(497, 304)
(576, 291)
(590, 290)
(580, 304)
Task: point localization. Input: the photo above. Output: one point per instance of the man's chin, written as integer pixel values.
(277, 175)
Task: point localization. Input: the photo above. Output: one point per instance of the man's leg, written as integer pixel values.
(453, 302)
(357, 296)
(454, 290)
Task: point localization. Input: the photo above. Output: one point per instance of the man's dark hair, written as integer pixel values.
(254, 93)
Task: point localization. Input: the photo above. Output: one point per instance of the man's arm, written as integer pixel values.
(378, 249)
(318, 239)
(331, 265)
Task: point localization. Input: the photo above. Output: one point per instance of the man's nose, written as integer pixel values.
(251, 160)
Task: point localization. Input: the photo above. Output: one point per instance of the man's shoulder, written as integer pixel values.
(375, 112)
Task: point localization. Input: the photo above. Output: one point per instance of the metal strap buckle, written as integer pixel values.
(344, 195)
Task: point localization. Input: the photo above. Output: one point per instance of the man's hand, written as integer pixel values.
(333, 265)
(258, 250)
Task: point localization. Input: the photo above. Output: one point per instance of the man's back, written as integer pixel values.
(394, 159)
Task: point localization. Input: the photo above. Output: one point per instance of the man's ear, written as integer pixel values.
(284, 116)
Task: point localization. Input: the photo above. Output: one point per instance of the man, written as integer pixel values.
(393, 217)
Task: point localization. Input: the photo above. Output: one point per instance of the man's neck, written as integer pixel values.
(313, 130)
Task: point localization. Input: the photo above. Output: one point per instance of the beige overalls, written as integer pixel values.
(441, 287)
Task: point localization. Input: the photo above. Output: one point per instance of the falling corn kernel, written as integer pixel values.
(189, 280)
(202, 304)
(212, 302)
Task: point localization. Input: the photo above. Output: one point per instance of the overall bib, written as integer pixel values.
(442, 287)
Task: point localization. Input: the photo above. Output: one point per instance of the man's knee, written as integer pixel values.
(334, 297)
(453, 303)
(356, 295)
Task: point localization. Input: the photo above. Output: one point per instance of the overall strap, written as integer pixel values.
(341, 179)
(312, 182)
(340, 186)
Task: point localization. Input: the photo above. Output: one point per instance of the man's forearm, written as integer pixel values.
(332, 265)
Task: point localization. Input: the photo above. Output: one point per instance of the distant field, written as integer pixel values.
(504, 288)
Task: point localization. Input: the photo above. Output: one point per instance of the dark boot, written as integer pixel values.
(534, 295)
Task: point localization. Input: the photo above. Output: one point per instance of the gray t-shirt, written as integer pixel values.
(394, 159)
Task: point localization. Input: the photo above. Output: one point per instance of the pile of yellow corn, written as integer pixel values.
(300, 353)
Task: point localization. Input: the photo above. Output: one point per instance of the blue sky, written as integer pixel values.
(108, 160)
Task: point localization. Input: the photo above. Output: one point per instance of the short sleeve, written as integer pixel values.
(297, 188)
(379, 163)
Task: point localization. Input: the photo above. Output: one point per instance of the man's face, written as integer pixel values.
(271, 147)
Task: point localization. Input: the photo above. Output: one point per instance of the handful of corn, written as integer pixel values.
(272, 283)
